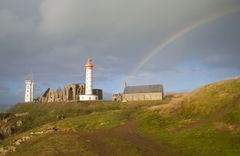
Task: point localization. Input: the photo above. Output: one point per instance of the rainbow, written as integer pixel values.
(170, 39)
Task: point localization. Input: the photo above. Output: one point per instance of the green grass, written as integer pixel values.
(206, 124)
(217, 103)
(73, 144)
(98, 120)
(57, 144)
(232, 115)
(43, 113)
(210, 98)
(197, 140)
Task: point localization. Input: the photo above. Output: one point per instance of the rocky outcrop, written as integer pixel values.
(8, 124)
(5, 117)
(7, 130)
(19, 123)
(8, 149)
(22, 114)
(12, 148)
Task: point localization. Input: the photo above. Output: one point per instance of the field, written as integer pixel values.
(203, 122)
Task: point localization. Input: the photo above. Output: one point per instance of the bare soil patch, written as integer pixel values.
(96, 140)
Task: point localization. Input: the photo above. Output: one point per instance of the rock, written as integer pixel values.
(17, 143)
(8, 131)
(3, 151)
(66, 130)
(11, 148)
(25, 138)
(61, 117)
(51, 129)
(103, 123)
(19, 123)
(22, 114)
(7, 125)
(6, 116)
(38, 133)
(5, 120)
(6, 150)
(22, 140)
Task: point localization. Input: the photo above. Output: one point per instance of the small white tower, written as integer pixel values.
(89, 83)
(29, 90)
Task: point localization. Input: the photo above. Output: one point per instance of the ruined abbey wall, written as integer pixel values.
(69, 93)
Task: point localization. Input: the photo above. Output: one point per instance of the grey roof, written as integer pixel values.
(158, 88)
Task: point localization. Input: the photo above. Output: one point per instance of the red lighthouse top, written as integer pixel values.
(89, 63)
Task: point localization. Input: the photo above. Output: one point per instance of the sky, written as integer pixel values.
(180, 44)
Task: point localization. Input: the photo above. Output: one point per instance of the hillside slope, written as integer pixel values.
(88, 128)
(213, 100)
(203, 122)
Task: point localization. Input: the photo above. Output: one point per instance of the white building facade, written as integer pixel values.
(29, 90)
(89, 83)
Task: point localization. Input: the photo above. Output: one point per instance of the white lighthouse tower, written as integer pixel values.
(89, 83)
(29, 90)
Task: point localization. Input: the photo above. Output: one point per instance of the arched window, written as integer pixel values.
(70, 94)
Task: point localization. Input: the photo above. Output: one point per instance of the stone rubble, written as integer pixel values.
(12, 148)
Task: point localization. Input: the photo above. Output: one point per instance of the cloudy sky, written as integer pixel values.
(182, 44)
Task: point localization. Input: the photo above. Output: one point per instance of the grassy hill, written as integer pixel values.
(203, 122)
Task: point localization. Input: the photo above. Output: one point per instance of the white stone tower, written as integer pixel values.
(29, 90)
(89, 83)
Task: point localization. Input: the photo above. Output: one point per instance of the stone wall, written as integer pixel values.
(48, 96)
(59, 95)
(70, 92)
(142, 97)
(117, 97)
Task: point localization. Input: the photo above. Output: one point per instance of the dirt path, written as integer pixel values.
(127, 133)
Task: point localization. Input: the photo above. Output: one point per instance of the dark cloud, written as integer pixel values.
(52, 39)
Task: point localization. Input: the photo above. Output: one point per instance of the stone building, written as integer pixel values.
(59, 95)
(99, 93)
(141, 93)
(117, 97)
(48, 96)
(70, 92)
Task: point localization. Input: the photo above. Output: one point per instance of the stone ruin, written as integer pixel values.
(117, 97)
(69, 93)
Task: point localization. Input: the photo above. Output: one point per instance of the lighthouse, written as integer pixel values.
(89, 79)
(89, 83)
(29, 90)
